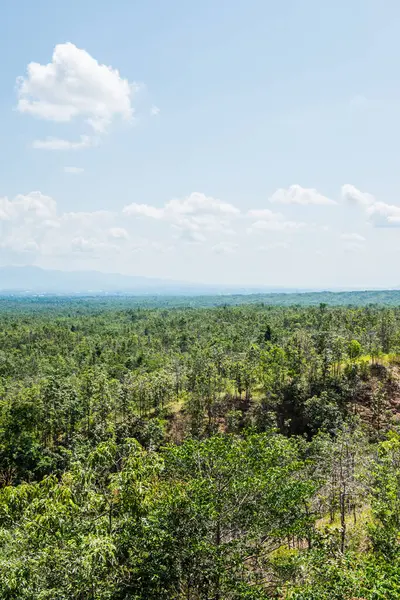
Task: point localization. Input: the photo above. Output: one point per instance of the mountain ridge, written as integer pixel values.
(36, 280)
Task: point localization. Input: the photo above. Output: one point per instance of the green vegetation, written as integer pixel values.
(18, 301)
(187, 453)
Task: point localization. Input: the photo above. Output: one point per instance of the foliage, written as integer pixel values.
(152, 449)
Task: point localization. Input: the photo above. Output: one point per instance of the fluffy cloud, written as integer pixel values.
(296, 194)
(74, 85)
(34, 230)
(51, 143)
(34, 206)
(380, 214)
(267, 220)
(31, 223)
(191, 216)
(193, 205)
(352, 195)
(197, 215)
(25, 221)
(199, 204)
(384, 215)
(143, 210)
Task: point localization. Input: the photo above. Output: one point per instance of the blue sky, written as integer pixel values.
(236, 142)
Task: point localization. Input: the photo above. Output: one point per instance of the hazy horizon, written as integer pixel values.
(145, 284)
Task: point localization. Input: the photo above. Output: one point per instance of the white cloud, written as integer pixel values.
(74, 85)
(154, 111)
(380, 214)
(198, 203)
(18, 243)
(277, 225)
(352, 237)
(90, 245)
(224, 248)
(86, 216)
(33, 206)
(384, 215)
(73, 170)
(25, 221)
(352, 195)
(196, 213)
(296, 194)
(33, 230)
(93, 224)
(31, 223)
(51, 143)
(194, 204)
(268, 220)
(118, 233)
(143, 210)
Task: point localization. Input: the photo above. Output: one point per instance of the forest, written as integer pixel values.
(46, 302)
(244, 450)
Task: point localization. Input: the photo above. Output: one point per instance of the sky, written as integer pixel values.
(248, 142)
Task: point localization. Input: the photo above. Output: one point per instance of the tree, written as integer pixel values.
(237, 507)
(385, 497)
(354, 349)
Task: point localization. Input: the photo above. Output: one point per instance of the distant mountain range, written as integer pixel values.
(34, 280)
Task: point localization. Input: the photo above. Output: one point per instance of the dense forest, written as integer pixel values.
(199, 453)
(46, 302)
